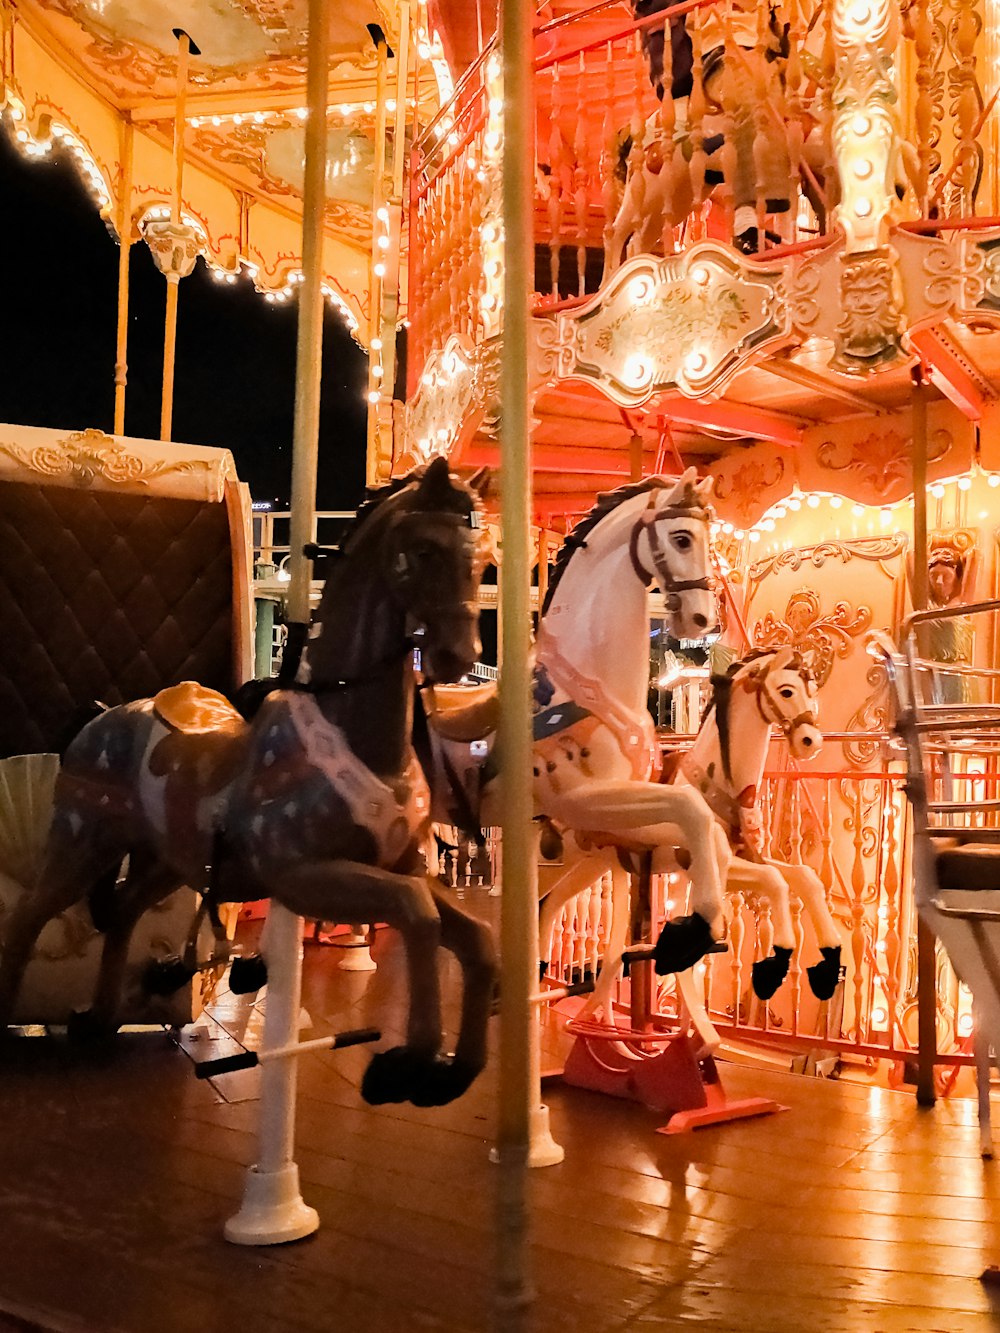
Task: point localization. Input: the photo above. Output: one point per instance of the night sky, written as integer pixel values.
(235, 374)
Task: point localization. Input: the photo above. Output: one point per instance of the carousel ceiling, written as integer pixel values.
(77, 73)
(129, 46)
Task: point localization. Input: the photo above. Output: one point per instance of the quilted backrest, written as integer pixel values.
(108, 597)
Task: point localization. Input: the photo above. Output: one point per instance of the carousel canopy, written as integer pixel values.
(92, 75)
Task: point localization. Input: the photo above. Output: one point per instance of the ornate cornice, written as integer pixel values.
(688, 322)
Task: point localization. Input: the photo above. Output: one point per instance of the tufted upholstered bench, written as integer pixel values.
(124, 568)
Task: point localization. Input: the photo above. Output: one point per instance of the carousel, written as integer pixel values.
(683, 325)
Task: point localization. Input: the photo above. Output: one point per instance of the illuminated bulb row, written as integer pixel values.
(383, 242)
(60, 135)
(292, 281)
(766, 523)
(345, 109)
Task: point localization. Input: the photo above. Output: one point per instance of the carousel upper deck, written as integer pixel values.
(735, 272)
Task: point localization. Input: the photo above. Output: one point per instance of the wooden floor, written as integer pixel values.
(853, 1210)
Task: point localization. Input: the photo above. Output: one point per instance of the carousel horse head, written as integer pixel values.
(786, 694)
(670, 544)
(418, 542)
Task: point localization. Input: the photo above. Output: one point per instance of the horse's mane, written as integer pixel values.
(375, 497)
(606, 502)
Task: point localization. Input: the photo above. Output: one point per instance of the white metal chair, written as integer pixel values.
(948, 718)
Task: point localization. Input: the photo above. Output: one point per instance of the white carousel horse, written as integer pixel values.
(771, 688)
(595, 747)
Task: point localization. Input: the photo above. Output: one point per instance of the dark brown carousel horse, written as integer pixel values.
(317, 802)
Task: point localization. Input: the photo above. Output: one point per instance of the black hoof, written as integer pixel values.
(824, 977)
(400, 1075)
(84, 1026)
(768, 973)
(247, 975)
(163, 976)
(441, 1081)
(390, 1076)
(683, 943)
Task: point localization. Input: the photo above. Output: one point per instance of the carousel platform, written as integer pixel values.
(853, 1210)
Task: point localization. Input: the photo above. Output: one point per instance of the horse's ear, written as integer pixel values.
(688, 477)
(783, 658)
(435, 484)
(480, 482)
(703, 489)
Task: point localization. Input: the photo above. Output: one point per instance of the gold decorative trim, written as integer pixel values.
(819, 638)
(87, 455)
(875, 549)
(881, 458)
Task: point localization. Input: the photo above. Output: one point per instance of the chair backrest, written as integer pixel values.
(948, 719)
(126, 568)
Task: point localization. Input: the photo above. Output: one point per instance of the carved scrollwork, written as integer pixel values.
(819, 638)
(881, 458)
(88, 454)
(750, 482)
(873, 716)
(877, 549)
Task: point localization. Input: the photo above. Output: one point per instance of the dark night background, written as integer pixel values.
(235, 373)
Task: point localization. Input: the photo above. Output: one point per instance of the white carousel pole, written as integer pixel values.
(273, 1209)
(518, 1109)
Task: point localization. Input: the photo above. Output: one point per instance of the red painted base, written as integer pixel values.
(671, 1080)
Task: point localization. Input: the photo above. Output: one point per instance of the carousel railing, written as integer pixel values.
(852, 827)
(615, 165)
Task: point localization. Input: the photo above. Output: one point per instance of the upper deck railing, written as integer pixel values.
(748, 144)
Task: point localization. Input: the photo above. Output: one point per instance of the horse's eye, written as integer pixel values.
(787, 692)
(682, 540)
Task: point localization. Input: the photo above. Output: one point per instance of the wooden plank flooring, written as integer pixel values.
(852, 1212)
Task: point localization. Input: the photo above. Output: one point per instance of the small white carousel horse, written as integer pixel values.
(595, 750)
(318, 802)
(770, 688)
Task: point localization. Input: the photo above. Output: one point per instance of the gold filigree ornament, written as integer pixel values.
(750, 482)
(880, 460)
(819, 638)
(87, 455)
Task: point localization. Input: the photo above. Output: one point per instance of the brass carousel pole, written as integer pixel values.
(124, 256)
(273, 1210)
(926, 967)
(519, 914)
(173, 276)
(376, 386)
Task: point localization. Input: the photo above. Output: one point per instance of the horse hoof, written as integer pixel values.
(83, 1025)
(824, 977)
(390, 1076)
(768, 973)
(163, 976)
(247, 975)
(441, 1080)
(683, 943)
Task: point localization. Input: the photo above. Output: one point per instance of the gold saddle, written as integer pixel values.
(196, 710)
(462, 712)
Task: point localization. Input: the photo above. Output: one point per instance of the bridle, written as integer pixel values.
(647, 523)
(768, 707)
